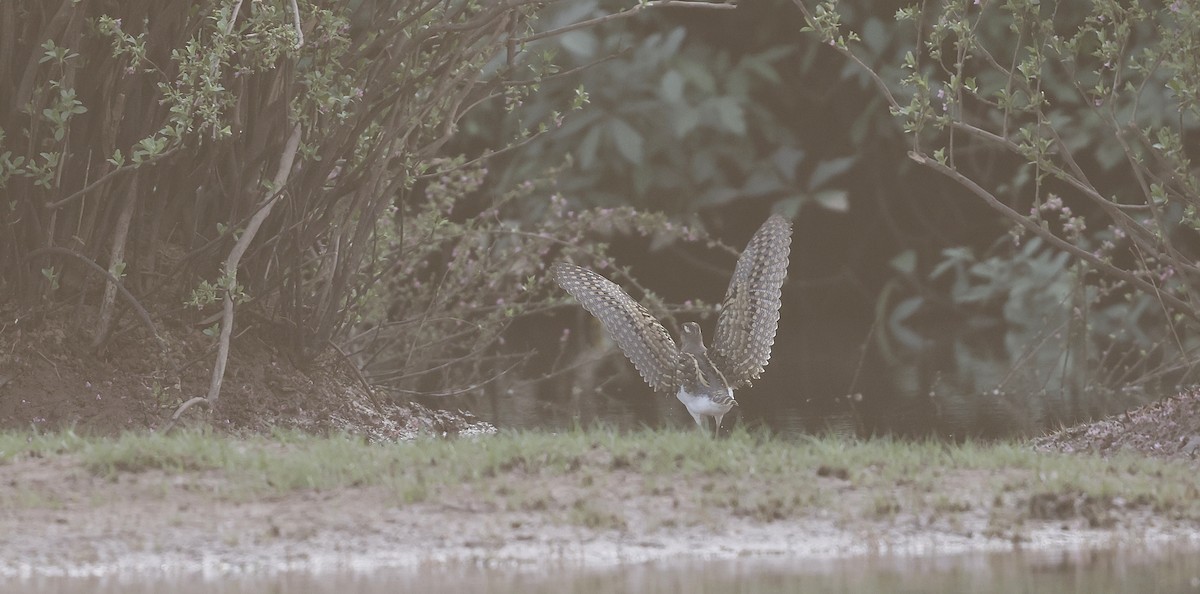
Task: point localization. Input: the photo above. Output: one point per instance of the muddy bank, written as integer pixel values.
(58, 518)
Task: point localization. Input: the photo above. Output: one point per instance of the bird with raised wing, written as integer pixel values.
(702, 378)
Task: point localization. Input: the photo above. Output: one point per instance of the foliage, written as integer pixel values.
(174, 117)
(1083, 114)
(282, 156)
(675, 123)
(453, 275)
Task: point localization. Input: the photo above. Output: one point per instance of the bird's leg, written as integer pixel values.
(699, 421)
(717, 425)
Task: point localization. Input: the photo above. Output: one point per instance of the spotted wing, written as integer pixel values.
(749, 317)
(643, 340)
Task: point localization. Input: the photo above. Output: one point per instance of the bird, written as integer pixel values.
(702, 378)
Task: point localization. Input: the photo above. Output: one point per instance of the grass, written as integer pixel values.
(598, 473)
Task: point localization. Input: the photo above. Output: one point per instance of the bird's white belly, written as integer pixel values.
(703, 405)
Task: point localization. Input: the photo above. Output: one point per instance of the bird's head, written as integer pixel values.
(692, 338)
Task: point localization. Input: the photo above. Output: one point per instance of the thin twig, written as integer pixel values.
(109, 175)
(565, 73)
(623, 14)
(862, 357)
(358, 374)
(141, 311)
(1177, 304)
(466, 389)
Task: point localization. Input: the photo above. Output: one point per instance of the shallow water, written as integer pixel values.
(1094, 572)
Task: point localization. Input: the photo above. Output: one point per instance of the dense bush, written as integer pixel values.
(1072, 122)
(678, 121)
(288, 158)
(283, 156)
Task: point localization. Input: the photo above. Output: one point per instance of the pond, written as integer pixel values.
(1095, 571)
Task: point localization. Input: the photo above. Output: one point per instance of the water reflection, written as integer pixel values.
(1096, 572)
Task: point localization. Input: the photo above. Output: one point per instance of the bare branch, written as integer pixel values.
(1175, 303)
(296, 24)
(109, 175)
(628, 12)
(141, 311)
(878, 80)
(235, 257)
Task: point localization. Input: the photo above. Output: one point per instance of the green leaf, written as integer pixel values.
(730, 114)
(789, 207)
(580, 43)
(952, 258)
(827, 170)
(761, 64)
(905, 262)
(684, 119)
(875, 35)
(717, 196)
(774, 53)
(896, 322)
(697, 74)
(671, 87)
(762, 181)
(587, 147)
(835, 200)
(786, 158)
(627, 140)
